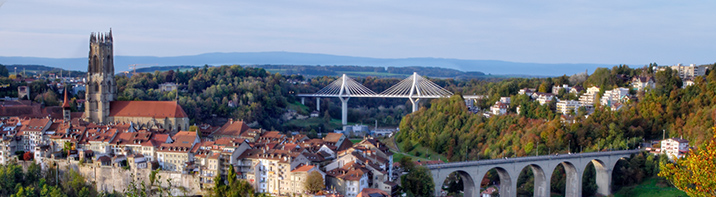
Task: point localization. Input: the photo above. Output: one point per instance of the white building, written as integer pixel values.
(642, 83)
(499, 108)
(611, 97)
(674, 147)
(590, 96)
(555, 89)
(167, 87)
(689, 71)
(567, 106)
(543, 98)
(505, 100)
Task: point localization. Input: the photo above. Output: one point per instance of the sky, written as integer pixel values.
(546, 31)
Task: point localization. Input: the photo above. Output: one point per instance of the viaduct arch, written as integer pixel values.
(509, 169)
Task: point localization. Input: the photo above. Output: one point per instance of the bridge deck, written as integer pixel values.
(530, 158)
(388, 96)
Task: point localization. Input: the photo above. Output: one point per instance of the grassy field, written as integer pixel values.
(301, 109)
(424, 153)
(650, 187)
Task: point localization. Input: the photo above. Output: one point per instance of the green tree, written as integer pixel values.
(3, 71)
(326, 117)
(314, 182)
(418, 181)
(667, 80)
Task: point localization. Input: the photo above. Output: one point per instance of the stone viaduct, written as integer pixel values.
(472, 172)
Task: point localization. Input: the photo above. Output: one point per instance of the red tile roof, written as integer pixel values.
(155, 109)
(372, 192)
(232, 128)
(66, 103)
(304, 168)
(333, 137)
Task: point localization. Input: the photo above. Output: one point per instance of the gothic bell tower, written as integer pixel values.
(101, 88)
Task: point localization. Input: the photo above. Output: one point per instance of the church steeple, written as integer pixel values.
(66, 108)
(101, 87)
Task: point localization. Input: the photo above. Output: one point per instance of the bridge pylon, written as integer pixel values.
(414, 88)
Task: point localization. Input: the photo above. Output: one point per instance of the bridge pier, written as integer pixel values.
(415, 103)
(318, 104)
(541, 181)
(573, 186)
(303, 100)
(344, 110)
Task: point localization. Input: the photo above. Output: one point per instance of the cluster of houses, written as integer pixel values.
(613, 99)
(269, 160)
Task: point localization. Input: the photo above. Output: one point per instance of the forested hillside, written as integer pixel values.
(449, 129)
(261, 97)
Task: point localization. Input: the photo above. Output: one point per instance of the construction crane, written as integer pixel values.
(134, 67)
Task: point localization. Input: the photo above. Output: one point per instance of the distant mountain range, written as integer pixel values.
(493, 67)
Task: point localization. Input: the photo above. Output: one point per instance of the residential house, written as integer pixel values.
(576, 90)
(348, 180)
(499, 108)
(674, 147)
(568, 106)
(175, 156)
(527, 91)
(543, 98)
(557, 88)
(642, 83)
(590, 97)
(168, 87)
(617, 95)
(300, 175)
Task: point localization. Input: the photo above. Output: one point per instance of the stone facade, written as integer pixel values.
(101, 87)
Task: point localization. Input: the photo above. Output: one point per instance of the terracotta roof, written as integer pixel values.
(66, 102)
(155, 109)
(232, 128)
(333, 137)
(36, 124)
(350, 171)
(372, 192)
(304, 168)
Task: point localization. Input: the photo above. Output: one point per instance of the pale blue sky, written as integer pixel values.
(544, 31)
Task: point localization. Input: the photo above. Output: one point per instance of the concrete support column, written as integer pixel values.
(541, 185)
(303, 100)
(604, 179)
(438, 188)
(318, 104)
(416, 103)
(344, 112)
(513, 185)
(573, 188)
(508, 185)
(470, 188)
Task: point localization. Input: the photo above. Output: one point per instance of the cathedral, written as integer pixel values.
(101, 106)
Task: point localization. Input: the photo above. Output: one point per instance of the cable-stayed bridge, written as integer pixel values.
(413, 88)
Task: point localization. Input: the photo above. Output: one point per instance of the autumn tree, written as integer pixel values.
(418, 181)
(694, 174)
(314, 182)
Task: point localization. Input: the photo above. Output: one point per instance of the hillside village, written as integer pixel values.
(592, 96)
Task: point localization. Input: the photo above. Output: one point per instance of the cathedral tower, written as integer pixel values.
(101, 88)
